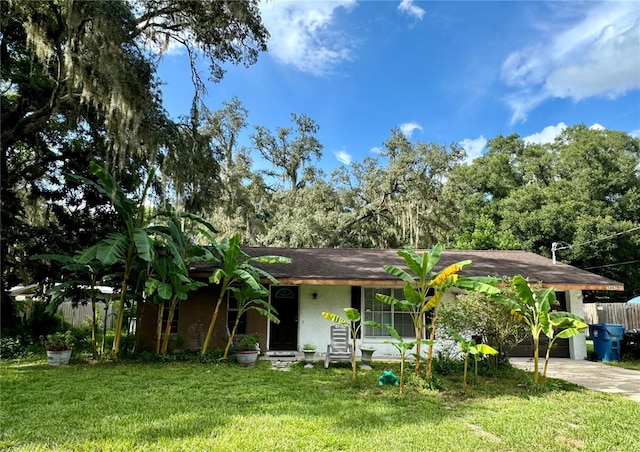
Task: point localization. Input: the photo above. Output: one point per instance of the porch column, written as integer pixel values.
(577, 344)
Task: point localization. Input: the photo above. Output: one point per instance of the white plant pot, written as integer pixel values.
(57, 358)
(308, 358)
(247, 358)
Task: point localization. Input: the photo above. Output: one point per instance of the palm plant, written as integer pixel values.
(424, 290)
(403, 347)
(469, 347)
(235, 266)
(569, 325)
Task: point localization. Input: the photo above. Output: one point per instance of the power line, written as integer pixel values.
(557, 246)
(613, 265)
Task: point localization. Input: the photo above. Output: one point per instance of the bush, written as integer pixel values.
(12, 348)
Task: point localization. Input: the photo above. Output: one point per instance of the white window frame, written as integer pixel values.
(392, 312)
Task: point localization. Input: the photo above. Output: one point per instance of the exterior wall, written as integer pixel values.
(193, 322)
(577, 344)
(313, 328)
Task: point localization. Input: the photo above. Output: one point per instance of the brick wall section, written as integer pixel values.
(193, 322)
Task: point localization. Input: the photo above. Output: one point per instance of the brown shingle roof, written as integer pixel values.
(364, 267)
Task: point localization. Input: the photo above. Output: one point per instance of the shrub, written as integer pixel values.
(12, 348)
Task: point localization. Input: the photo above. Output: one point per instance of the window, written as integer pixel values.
(385, 314)
(232, 315)
(165, 317)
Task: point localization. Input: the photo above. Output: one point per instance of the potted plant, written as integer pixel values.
(248, 350)
(58, 347)
(309, 351)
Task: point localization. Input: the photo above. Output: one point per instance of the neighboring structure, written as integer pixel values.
(332, 279)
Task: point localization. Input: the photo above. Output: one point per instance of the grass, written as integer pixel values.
(192, 406)
(626, 362)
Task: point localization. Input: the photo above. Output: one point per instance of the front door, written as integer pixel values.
(284, 335)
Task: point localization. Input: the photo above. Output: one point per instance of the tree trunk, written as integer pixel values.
(167, 328)
(207, 339)
(418, 349)
(432, 337)
(546, 363)
(118, 327)
(159, 326)
(536, 354)
(231, 336)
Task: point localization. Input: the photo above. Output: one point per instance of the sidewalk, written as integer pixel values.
(591, 375)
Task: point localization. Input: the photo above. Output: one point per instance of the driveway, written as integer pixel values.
(591, 375)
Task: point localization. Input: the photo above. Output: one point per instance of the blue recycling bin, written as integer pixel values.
(606, 340)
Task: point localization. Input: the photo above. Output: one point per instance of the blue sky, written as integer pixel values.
(444, 72)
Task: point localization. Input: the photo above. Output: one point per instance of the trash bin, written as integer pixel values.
(606, 340)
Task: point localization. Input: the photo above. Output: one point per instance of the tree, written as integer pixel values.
(235, 266)
(569, 325)
(287, 153)
(248, 299)
(403, 347)
(533, 310)
(124, 247)
(424, 290)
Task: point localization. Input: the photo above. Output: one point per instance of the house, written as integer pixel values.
(332, 279)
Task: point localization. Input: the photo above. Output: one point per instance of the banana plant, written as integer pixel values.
(469, 347)
(124, 247)
(235, 266)
(532, 309)
(424, 290)
(403, 347)
(250, 299)
(352, 319)
(569, 325)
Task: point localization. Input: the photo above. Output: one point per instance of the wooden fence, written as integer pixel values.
(80, 315)
(621, 313)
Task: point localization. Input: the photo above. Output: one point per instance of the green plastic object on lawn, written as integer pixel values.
(388, 378)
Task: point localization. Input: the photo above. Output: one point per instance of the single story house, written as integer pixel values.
(320, 280)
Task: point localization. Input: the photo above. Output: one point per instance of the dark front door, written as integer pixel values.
(284, 335)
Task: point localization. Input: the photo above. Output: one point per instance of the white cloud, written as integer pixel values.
(547, 135)
(593, 50)
(302, 35)
(597, 126)
(408, 7)
(473, 147)
(376, 150)
(343, 157)
(408, 127)
(635, 133)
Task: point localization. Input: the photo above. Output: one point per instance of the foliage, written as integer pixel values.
(469, 347)
(12, 348)
(424, 289)
(248, 299)
(235, 266)
(561, 325)
(352, 319)
(403, 347)
(532, 309)
(479, 314)
(59, 341)
(486, 236)
(581, 190)
(309, 347)
(248, 343)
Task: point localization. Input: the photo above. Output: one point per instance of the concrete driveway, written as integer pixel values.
(591, 375)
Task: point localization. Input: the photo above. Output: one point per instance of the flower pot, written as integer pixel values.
(308, 358)
(367, 357)
(58, 357)
(247, 358)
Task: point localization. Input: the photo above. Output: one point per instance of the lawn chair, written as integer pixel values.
(339, 350)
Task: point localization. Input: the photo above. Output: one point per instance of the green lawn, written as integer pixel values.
(189, 406)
